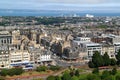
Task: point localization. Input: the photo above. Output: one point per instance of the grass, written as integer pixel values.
(102, 26)
(81, 70)
(29, 73)
(83, 76)
(83, 73)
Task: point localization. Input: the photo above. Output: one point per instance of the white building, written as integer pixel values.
(116, 47)
(87, 46)
(113, 38)
(89, 15)
(91, 48)
(4, 56)
(17, 58)
(44, 57)
(79, 40)
(4, 59)
(40, 56)
(110, 51)
(10, 59)
(116, 39)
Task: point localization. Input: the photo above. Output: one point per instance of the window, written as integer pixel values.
(4, 41)
(1, 41)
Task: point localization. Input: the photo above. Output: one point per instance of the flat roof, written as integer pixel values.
(117, 43)
(44, 60)
(5, 35)
(91, 44)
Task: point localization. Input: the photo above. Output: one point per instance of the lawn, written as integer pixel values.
(29, 73)
(83, 76)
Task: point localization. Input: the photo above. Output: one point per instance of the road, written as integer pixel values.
(64, 63)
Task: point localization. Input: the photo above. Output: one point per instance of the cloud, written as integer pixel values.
(79, 1)
(74, 1)
(41, 4)
(60, 1)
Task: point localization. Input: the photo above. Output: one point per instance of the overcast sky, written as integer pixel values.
(58, 4)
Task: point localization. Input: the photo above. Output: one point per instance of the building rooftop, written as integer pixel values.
(91, 44)
(5, 35)
(4, 32)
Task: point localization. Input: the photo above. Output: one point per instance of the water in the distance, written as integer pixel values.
(51, 13)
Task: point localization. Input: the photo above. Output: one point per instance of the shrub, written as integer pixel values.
(92, 77)
(105, 74)
(66, 76)
(41, 68)
(113, 62)
(50, 78)
(54, 68)
(12, 71)
(15, 71)
(77, 73)
(114, 71)
(117, 77)
(58, 78)
(4, 72)
(74, 78)
(95, 71)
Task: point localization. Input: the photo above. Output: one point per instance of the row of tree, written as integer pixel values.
(72, 75)
(45, 68)
(106, 75)
(50, 21)
(99, 60)
(11, 72)
(95, 75)
(112, 72)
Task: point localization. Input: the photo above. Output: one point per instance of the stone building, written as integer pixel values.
(70, 53)
(5, 38)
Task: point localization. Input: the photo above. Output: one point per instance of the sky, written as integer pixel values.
(61, 4)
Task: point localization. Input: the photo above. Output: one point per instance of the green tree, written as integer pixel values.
(114, 71)
(109, 78)
(4, 72)
(11, 72)
(77, 73)
(41, 68)
(113, 62)
(106, 59)
(105, 74)
(117, 77)
(95, 71)
(58, 78)
(118, 57)
(15, 71)
(92, 77)
(74, 78)
(18, 71)
(66, 76)
(91, 64)
(97, 59)
(54, 68)
(72, 73)
(50, 78)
